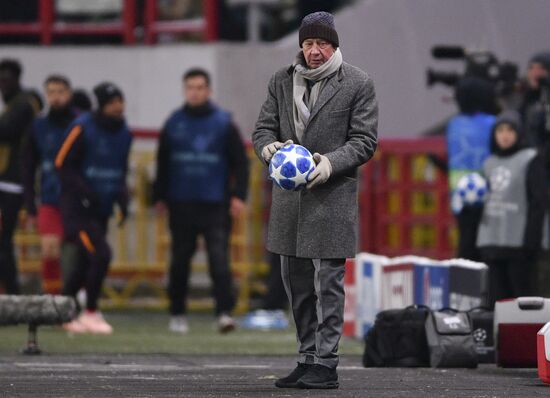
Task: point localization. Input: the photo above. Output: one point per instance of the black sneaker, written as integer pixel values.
(319, 377)
(291, 380)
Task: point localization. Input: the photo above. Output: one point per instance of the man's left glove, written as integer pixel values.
(322, 171)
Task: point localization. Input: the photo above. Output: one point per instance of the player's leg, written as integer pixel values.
(184, 240)
(51, 234)
(498, 283)
(75, 267)
(93, 239)
(9, 213)
(519, 277)
(216, 236)
(329, 290)
(298, 277)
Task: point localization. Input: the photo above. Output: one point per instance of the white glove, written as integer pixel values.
(322, 171)
(270, 149)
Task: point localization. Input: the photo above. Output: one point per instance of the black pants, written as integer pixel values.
(508, 278)
(468, 222)
(9, 212)
(275, 299)
(187, 222)
(92, 262)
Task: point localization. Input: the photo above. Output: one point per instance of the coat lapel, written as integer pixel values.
(331, 88)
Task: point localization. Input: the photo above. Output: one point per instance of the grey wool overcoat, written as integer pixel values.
(321, 222)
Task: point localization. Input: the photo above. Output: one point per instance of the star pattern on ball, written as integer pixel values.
(290, 167)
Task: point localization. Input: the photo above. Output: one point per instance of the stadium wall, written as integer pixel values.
(389, 38)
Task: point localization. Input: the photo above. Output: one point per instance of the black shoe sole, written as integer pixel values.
(328, 385)
(280, 384)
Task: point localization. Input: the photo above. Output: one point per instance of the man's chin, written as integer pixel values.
(315, 64)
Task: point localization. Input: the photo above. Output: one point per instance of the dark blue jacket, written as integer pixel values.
(93, 163)
(45, 139)
(199, 151)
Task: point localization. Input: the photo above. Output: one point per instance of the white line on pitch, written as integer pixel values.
(237, 366)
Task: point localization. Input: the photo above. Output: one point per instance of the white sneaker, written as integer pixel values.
(179, 324)
(95, 323)
(74, 326)
(226, 324)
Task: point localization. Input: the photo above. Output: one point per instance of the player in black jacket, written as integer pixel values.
(15, 120)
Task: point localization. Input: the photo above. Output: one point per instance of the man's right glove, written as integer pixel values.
(270, 149)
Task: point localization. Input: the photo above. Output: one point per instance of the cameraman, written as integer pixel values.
(532, 109)
(535, 112)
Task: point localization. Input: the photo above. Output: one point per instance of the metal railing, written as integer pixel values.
(46, 28)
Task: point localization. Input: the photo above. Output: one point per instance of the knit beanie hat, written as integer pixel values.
(106, 92)
(318, 25)
(542, 58)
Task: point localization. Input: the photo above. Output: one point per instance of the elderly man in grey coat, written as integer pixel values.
(329, 107)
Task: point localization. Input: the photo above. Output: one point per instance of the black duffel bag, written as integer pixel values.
(450, 339)
(398, 339)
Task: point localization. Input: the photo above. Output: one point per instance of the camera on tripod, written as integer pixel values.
(478, 63)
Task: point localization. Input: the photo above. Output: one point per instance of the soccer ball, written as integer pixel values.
(291, 166)
(471, 190)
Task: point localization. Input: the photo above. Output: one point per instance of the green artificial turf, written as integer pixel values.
(147, 332)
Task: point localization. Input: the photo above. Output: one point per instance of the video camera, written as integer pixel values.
(479, 63)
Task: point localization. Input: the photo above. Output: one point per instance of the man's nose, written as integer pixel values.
(315, 49)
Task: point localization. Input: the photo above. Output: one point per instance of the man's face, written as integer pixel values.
(196, 91)
(114, 108)
(8, 82)
(534, 73)
(317, 52)
(58, 95)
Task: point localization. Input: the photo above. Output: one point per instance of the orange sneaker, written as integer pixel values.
(95, 323)
(75, 326)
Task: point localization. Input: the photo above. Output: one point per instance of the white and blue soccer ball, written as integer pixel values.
(471, 190)
(291, 166)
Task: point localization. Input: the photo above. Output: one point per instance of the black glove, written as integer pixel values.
(123, 214)
(90, 203)
(122, 201)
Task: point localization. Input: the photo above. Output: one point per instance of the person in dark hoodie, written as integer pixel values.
(44, 140)
(532, 108)
(92, 164)
(15, 120)
(202, 176)
(510, 231)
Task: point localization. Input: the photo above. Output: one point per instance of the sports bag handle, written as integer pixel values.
(530, 303)
(448, 309)
(480, 308)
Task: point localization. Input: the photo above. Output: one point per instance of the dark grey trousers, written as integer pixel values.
(315, 289)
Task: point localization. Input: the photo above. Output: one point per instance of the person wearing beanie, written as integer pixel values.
(510, 230)
(329, 107)
(92, 164)
(202, 180)
(44, 140)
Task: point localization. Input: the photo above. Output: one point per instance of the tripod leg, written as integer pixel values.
(32, 343)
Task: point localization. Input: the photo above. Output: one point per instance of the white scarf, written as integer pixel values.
(303, 103)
